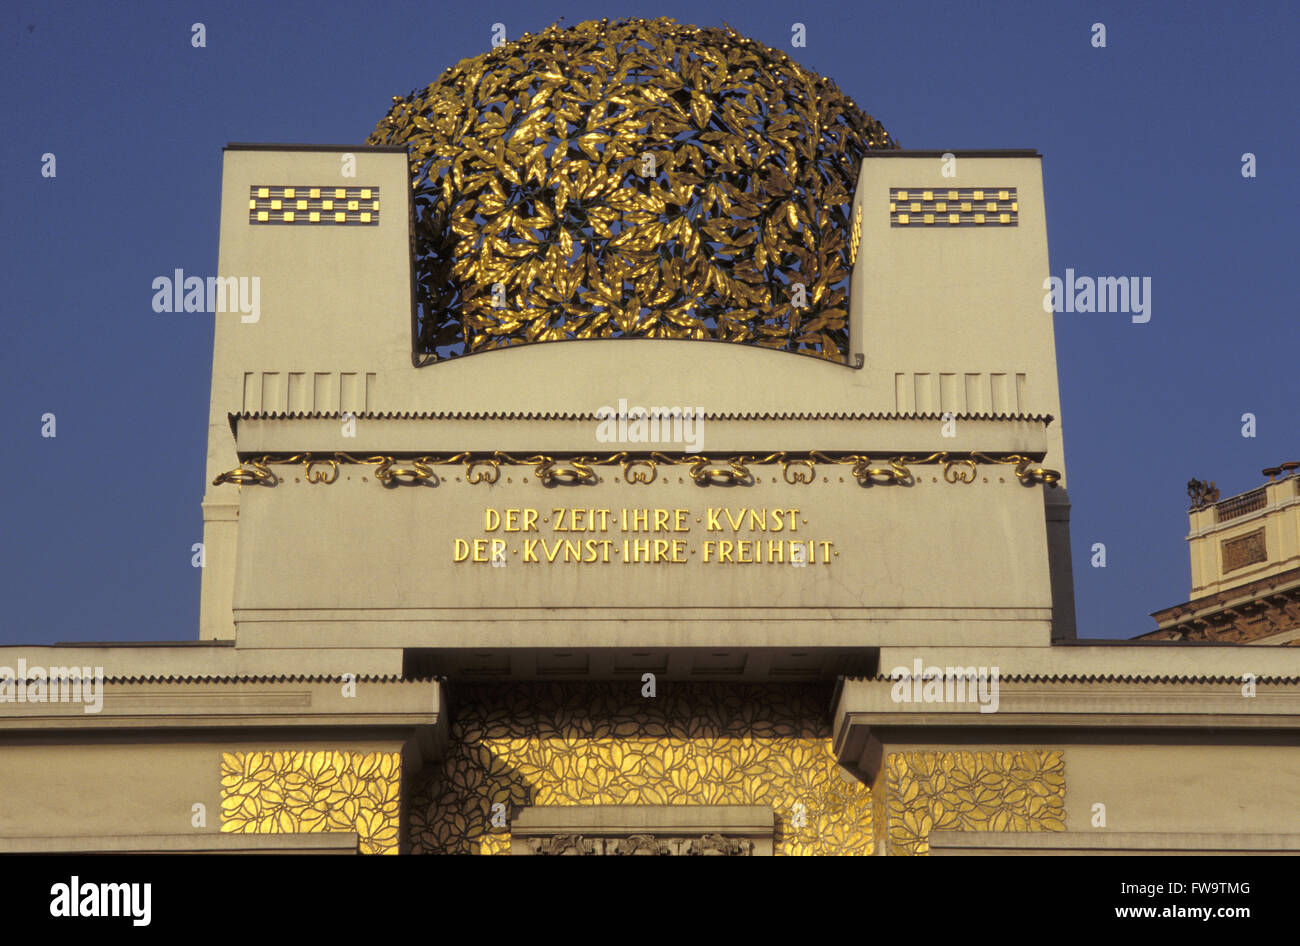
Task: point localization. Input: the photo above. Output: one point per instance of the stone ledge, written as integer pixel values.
(344, 842)
(643, 819)
(1108, 843)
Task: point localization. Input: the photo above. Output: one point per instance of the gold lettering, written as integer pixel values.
(460, 551)
(676, 551)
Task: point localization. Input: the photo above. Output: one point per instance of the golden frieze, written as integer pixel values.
(641, 469)
(709, 844)
(634, 178)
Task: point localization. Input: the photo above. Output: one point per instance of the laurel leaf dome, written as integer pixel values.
(631, 178)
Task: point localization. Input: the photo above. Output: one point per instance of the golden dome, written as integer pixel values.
(631, 178)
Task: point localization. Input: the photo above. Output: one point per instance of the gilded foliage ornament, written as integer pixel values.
(632, 178)
(291, 792)
(642, 469)
(602, 744)
(972, 791)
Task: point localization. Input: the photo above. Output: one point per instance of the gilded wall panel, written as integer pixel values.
(294, 792)
(603, 744)
(972, 791)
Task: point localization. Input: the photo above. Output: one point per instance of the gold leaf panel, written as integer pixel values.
(292, 792)
(603, 744)
(971, 791)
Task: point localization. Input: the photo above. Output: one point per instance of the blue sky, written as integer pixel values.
(1142, 144)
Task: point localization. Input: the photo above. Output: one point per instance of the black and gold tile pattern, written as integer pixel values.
(953, 207)
(321, 206)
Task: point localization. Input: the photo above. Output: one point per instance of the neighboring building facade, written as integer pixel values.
(461, 596)
(1245, 553)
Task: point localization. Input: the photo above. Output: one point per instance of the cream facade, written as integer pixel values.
(443, 613)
